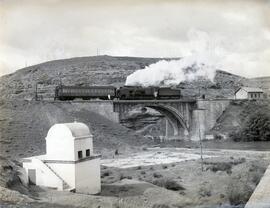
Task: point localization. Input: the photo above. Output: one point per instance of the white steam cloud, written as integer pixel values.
(203, 61)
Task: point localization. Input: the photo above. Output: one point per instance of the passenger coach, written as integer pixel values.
(90, 92)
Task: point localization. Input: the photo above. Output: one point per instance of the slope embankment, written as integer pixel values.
(237, 114)
(24, 125)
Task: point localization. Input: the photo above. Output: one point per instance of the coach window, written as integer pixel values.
(80, 154)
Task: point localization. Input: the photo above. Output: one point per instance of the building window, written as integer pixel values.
(79, 154)
(251, 95)
(87, 153)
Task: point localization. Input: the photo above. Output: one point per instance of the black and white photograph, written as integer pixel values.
(135, 104)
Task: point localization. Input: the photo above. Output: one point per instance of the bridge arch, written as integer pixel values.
(176, 120)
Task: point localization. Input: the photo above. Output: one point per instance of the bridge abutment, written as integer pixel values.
(185, 119)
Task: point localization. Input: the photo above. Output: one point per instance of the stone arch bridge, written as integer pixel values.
(184, 118)
(188, 119)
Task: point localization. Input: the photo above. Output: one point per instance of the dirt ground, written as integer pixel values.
(142, 175)
(228, 179)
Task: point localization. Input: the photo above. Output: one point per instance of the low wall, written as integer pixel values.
(261, 196)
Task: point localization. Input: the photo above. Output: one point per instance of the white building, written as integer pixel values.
(69, 163)
(249, 93)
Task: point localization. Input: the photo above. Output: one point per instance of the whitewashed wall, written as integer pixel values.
(88, 176)
(241, 94)
(65, 171)
(44, 176)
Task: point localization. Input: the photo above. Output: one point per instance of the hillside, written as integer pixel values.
(101, 70)
(263, 82)
(24, 126)
(97, 70)
(223, 86)
(237, 114)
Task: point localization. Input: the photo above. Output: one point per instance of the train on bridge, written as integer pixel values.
(63, 92)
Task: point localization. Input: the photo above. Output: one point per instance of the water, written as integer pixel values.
(257, 146)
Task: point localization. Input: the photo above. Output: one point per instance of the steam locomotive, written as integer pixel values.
(110, 92)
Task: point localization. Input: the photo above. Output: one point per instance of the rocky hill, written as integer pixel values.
(98, 70)
(101, 70)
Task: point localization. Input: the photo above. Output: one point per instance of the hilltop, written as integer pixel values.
(102, 70)
(96, 70)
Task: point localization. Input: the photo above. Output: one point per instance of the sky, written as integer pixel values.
(235, 31)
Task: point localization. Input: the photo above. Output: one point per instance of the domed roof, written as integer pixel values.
(75, 130)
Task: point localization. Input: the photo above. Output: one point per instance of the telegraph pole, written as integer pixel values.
(36, 93)
(200, 137)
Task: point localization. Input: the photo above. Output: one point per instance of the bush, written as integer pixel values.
(224, 166)
(238, 192)
(205, 191)
(256, 178)
(220, 166)
(143, 172)
(256, 128)
(106, 173)
(160, 206)
(122, 176)
(168, 184)
(157, 175)
(218, 137)
(256, 172)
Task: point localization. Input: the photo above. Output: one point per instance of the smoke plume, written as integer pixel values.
(202, 62)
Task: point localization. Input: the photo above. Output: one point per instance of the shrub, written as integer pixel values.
(122, 176)
(256, 178)
(160, 206)
(255, 128)
(205, 191)
(256, 172)
(168, 184)
(164, 166)
(157, 175)
(224, 166)
(143, 172)
(218, 137)
(238, 192)
(106, 173)
(220, 166)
